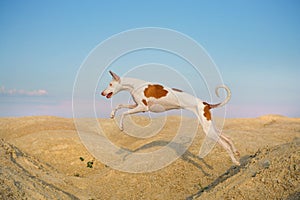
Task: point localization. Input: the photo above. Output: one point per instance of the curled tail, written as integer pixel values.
(228, 97)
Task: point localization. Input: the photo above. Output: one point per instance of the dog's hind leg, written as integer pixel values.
(227, 147)
(211, 132)
(229, 141)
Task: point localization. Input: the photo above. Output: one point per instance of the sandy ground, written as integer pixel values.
(40, 159)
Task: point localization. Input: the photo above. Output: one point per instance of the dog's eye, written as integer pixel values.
(110, 84)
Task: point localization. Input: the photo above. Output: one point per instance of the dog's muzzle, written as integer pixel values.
(108, 95)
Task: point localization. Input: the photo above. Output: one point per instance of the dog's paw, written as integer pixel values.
(237, 163)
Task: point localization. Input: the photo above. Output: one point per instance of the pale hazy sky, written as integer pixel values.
(255, 44)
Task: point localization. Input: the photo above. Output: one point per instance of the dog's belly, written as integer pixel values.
(161, 106)
(157, 108)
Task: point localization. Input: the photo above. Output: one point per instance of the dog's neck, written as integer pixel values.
(130, 84)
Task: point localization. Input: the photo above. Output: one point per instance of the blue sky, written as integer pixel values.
(255, 44)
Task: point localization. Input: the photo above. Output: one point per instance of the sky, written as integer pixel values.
(255, 45)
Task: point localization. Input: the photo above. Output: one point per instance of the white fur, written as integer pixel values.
(173, 100)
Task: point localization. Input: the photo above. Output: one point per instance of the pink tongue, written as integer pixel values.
(109, 95)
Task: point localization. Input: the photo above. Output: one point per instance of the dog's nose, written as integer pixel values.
(102, 93)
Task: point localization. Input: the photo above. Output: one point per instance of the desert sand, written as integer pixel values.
(43, 158)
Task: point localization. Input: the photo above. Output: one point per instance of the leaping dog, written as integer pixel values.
(157, 98)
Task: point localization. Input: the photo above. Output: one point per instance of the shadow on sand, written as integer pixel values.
(178, 148)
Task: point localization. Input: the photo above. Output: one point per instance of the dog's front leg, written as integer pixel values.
(137, 109)
(113, 112)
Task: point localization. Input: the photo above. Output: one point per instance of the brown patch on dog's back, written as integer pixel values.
(156, 91)
(177, 90)
(145, 102)
(207, 113)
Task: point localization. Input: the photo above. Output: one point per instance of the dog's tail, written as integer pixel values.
(228, 97)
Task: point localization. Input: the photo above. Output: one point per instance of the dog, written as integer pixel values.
(157, 98)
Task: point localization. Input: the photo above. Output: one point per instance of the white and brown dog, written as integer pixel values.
(157, 98)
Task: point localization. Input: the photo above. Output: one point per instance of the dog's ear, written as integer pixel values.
(115, 76)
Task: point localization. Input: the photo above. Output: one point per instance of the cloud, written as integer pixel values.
(15, 92)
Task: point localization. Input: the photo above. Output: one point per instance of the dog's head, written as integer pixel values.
(113, 87)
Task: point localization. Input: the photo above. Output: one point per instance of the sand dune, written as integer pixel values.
(41, 158)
